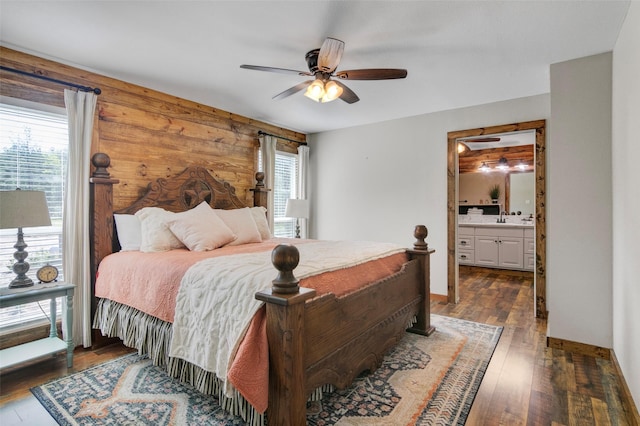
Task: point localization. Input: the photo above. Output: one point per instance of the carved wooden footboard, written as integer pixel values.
(315, 341)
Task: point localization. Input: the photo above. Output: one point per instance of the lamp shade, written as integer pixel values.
(23, 209)
(297, 208)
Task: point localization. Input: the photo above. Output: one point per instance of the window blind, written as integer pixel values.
(286, 178)
(33, 156)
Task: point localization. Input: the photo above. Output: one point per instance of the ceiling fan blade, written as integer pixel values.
(272, 69)
(488, 139)
(330, 54)
(347, 95)
(295, 89)
(372, 74)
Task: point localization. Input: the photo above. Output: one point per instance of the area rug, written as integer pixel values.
(423, 381)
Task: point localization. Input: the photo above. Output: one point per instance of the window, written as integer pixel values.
(286, 186)
(33, 155)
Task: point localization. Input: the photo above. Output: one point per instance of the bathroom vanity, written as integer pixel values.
(497, 245)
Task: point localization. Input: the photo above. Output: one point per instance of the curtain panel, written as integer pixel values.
(75, 226)
(268, 150)
(303, 185)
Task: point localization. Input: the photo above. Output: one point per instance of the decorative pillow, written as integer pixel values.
(200, 229)
(155, 234)
(260, 218)
(242, 224)
(129, 232)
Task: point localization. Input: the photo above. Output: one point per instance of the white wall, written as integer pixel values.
(579, 201)
(626, 200)
(377, 182)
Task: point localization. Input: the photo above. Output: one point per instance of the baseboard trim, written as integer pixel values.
(627, 399)
(580, 348)
(438, 298)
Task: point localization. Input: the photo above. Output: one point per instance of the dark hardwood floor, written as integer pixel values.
(526, 383)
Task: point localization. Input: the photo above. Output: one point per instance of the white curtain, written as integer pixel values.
(303, 172)
(268, 149)
(75, 227)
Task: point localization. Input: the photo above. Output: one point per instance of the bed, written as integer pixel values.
(317, 340)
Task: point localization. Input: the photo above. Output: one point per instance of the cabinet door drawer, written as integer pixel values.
(465, 257)
(486, 251)
(529, 262)
(466, 230)
(529, 245)
(465, 243)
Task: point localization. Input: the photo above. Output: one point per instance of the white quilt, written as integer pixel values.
(216, 302)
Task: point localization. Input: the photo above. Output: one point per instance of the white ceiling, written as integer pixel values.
(457, 53)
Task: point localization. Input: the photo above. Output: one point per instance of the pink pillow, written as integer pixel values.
(242, 224)
(200, 229)
(155, 235)
(260, 218)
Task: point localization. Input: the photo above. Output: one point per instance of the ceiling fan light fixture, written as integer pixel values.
(332, 91)
(315, 91)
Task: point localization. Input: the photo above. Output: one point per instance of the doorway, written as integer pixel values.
(539, 126)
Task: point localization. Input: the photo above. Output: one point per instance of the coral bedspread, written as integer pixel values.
(151, 282)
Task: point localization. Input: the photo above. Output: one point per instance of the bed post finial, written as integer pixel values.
(100, 161)
(259, 179)
(260, 192)
(285, 258)
(420, 233)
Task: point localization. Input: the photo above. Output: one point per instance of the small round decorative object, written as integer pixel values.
(47, 273)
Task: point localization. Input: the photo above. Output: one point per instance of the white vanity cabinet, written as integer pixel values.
(496, 246)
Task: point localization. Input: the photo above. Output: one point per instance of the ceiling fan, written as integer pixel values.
(486, 139)
(322, 65)
(462, 145)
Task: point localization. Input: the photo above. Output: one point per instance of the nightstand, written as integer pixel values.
(48, 345)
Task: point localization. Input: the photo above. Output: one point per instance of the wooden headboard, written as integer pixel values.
(179, 193)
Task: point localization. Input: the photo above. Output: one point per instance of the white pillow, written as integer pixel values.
(129, 232)
(200, 229)
(155, 234)
(242, 224)
(260, 218)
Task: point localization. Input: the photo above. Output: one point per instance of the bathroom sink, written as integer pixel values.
(496, 224)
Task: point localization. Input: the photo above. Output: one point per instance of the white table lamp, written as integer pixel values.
(298, 209)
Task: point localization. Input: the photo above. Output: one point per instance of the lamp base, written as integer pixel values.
(20, 267)
(19, 282)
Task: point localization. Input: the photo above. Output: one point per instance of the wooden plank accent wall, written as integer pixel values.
(149, 134)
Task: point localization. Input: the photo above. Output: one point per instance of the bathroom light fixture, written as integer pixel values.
(522, 165)
(502, 164)
(484, 167)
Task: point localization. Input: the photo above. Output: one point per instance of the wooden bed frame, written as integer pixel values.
(313, 341)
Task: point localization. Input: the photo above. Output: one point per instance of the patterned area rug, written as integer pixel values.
(423, 381)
